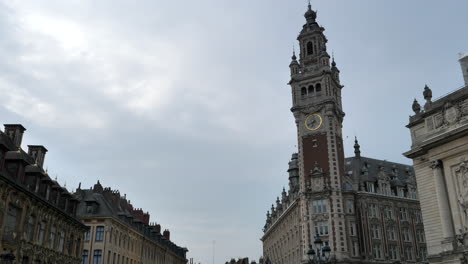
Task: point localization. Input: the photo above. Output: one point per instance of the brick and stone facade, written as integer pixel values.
(38, 222)
(364, 209)
(439, 134)
(121, 234)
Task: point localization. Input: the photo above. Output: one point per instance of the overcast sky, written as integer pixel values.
(184, 105)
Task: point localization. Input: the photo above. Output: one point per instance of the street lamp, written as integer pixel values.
(321, 254)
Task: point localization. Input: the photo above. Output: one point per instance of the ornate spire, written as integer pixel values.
(357, 148)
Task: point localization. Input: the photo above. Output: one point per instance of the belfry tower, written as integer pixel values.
(317, 109)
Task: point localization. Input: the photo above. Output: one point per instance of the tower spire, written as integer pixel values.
(357, 148)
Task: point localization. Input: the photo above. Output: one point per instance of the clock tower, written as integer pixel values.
(317, 109)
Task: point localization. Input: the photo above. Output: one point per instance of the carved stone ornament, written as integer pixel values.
(462, 192)
(451, 114)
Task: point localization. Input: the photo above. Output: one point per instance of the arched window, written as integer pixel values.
(318, 88)
(303, 91)
(310, 48)
(311, 89)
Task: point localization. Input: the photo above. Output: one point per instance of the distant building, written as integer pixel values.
(121, 234)
(38, 221)
(366, 210)
(439, 149)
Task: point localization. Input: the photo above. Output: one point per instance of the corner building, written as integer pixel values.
(38, 221)
(365, 209)
(121, 234)
(439, 134)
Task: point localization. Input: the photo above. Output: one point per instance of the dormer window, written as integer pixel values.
(310, 48)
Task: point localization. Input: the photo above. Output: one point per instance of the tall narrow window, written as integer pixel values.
(303, 91)
(97, 257)
(310, 48)
(99, 233)
(11, 224)
(87, 236)
(61, 241)
(85, 256)
(42, 227)
(30, 228)
(311, 90)
(318, 88)
(53, 231)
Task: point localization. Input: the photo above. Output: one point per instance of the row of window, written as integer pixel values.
(40, 231)
(387, 189)
(117, 238)
(98, 258)
(404, 215)
(312, 90)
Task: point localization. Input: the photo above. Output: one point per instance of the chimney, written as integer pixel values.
(38, 153)
(15, 132)
(167, 235)
(464, 65)
(146, 218)
(158, 229)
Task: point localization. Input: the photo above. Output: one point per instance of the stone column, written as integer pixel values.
(443, 201)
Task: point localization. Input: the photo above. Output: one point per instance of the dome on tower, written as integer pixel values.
(310, 15)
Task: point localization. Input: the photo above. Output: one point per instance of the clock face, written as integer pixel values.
(313, 122)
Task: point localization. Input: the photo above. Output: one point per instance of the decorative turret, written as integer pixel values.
(357, 148)
(293, 171)
(416, 106)
(427, 96)
(284, 196)
(294, 65)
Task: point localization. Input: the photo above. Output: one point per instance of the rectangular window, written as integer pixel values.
(61, 241)
(99, 234)
(320, 207)
(423, 254)
(373, 211)
(388, 212)
(87, 236)
(403, 214)
(352, 228)
(418, 217)
(371, 187)
(406, 234)
(11, 224)
(85, 257)
(375, 231)
(409, 253)
(349, 206)
(42, 228)
(30, 228)
(53, 231)
(393, 252)
(97, 257)
(391, 233)
(420, 236)
(377, 251)
(401, 192)
(355, 249)
(108, 257)
(321, 228)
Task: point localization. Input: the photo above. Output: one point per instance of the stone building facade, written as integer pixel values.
(439, 134)
(121, 234)
(365, 210)
(38, 221)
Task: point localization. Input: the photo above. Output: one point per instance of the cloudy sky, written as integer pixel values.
(183, 105)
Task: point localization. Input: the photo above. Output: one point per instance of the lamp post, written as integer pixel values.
(321, 253)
